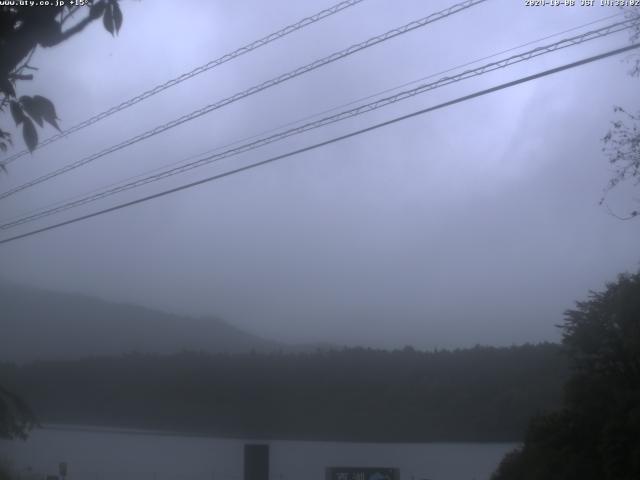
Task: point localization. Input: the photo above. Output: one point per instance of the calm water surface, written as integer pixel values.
(100, 454)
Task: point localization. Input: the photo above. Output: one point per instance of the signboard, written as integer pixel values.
(362, 473)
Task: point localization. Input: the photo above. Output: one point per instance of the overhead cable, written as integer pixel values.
(308, 117)
(251, 91)
(327, 142)
(403, 95)
(305, 22)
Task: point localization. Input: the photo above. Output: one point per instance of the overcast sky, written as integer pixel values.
(478, 223)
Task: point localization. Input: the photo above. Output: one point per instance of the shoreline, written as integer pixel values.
(249, 439)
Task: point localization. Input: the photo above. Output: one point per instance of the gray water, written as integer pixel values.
(101, 454)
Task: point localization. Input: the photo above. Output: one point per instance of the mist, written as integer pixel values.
(475, 224)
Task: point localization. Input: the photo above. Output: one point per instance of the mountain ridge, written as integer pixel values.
(39, 324)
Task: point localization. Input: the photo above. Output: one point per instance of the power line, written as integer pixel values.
(308, 117)
(328, 142)
(253, 90)
(327, 120)
(608, 17)
(442, 72)
(534, 53)
(272, 37)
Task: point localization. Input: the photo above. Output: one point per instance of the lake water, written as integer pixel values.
(101, 454)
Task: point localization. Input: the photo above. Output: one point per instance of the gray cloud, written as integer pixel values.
(474, 224)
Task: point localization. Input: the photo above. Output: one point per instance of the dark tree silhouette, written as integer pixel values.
(597, 433)
(22, 30)
(16, 417)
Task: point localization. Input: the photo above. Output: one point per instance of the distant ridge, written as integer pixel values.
(39, 324)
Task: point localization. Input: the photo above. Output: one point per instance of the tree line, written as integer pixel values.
(477, 394)
(595, 435)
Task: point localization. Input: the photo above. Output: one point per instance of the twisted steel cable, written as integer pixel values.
(196, 71)
(309, 117)
(251, 91)
(489, 67)
(462, 99)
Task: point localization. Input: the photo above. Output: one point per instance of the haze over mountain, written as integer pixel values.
(43, 325)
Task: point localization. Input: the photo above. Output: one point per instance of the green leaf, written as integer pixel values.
(117, 16)
(16, 112)
(29, 134)
(96, 10)
(47, 110)
(32, 108)
(107, 20)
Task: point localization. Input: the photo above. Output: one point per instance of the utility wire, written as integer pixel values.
(602, 19)
(448, 70)
(253, 90)
(308, 117)
(330, 141)
(305, 22)
(536, 52)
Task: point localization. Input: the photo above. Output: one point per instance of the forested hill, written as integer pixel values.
(44, 325)
(479, 394)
